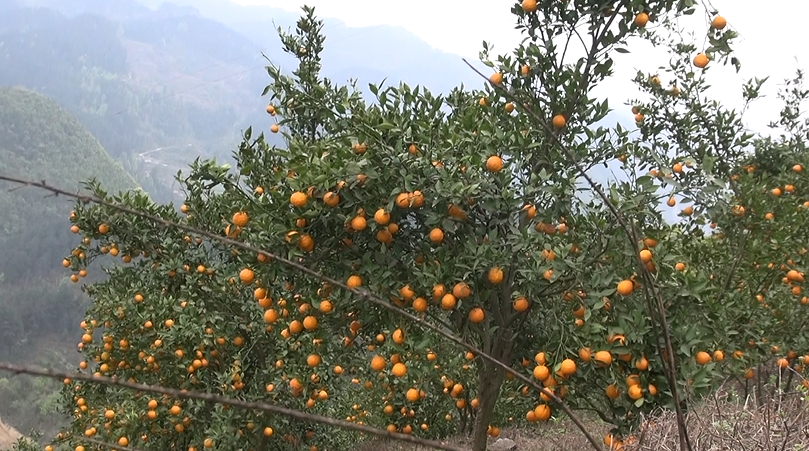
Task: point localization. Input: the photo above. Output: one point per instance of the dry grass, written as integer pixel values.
(729, 422)
(726, 422)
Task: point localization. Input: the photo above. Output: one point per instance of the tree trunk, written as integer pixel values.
(489, 382)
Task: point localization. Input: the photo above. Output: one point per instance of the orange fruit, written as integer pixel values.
(529, 6)
(461, 290)
(584, 354)
(354, 281)
(494, 163)
(297, 199)
(358, 223)
(436, 235)
(240, 219)
(476, 315)
(246, 276)
(542, 412)
(448, 301)
(645, 255)
(701, 60)
(331, 199)
(702, 358)
(568, 367)
(625, 287)
(381, 217)
(520, 304)
(611, 391)
(378, 363)
(603, 359)
(495, 275)
(496, 78)
(399, 369)
(634, 392)
(719, 22)
(558, 121)
(641, 19)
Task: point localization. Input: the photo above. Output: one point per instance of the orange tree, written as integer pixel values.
(471, 211)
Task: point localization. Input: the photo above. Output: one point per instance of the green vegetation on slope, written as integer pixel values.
(39, 308)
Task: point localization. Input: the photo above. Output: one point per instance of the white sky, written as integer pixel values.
(770, 40)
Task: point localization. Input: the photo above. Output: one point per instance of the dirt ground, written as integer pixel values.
(8, 436)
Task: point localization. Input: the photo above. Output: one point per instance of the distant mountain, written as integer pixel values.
(39, 308)
(41, 141)
(186, 76)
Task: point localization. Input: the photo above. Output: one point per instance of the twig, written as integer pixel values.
(670, 373)
(211, 398)
(364, 294)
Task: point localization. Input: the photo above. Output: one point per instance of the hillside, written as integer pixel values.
(41, 141)
(39, 308)
(187, 74)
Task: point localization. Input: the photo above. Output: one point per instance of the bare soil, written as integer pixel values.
(8, 436)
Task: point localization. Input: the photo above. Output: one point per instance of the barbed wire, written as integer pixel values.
(224, 400)
(362, 293)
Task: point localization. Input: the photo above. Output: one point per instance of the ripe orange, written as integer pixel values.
(603, 359)
(313, 360)
(274, 128)
(381, 217)
(461, 290)
(701, 60)
(679, 266)
(378, 363)
(568, 367)
(718, 356)
(558, 121)
(611, 391)
(719, 22)
(496, 78)
(625, 287)
(645, 255)
(584, 354)
(310, 323)
(494, 163)
(399, 369)
(354, 281)
(495, 275)
(476, 315)
(436, 236)
(297, 199)
(520, 304)
(412, 395)
(246, 276)
(641, 20)
(702, 358)
(634, 392)
(542, 412)
(448, 302)
(240, 219)
(358, 223)
(529, 6)
(331, 199)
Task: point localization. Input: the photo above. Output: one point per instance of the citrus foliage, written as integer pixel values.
(467, 210)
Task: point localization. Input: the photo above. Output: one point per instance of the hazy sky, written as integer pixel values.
(771, 38)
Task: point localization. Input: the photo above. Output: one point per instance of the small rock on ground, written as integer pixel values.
(503, 444)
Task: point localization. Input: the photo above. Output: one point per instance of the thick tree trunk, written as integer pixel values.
(489, 383)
